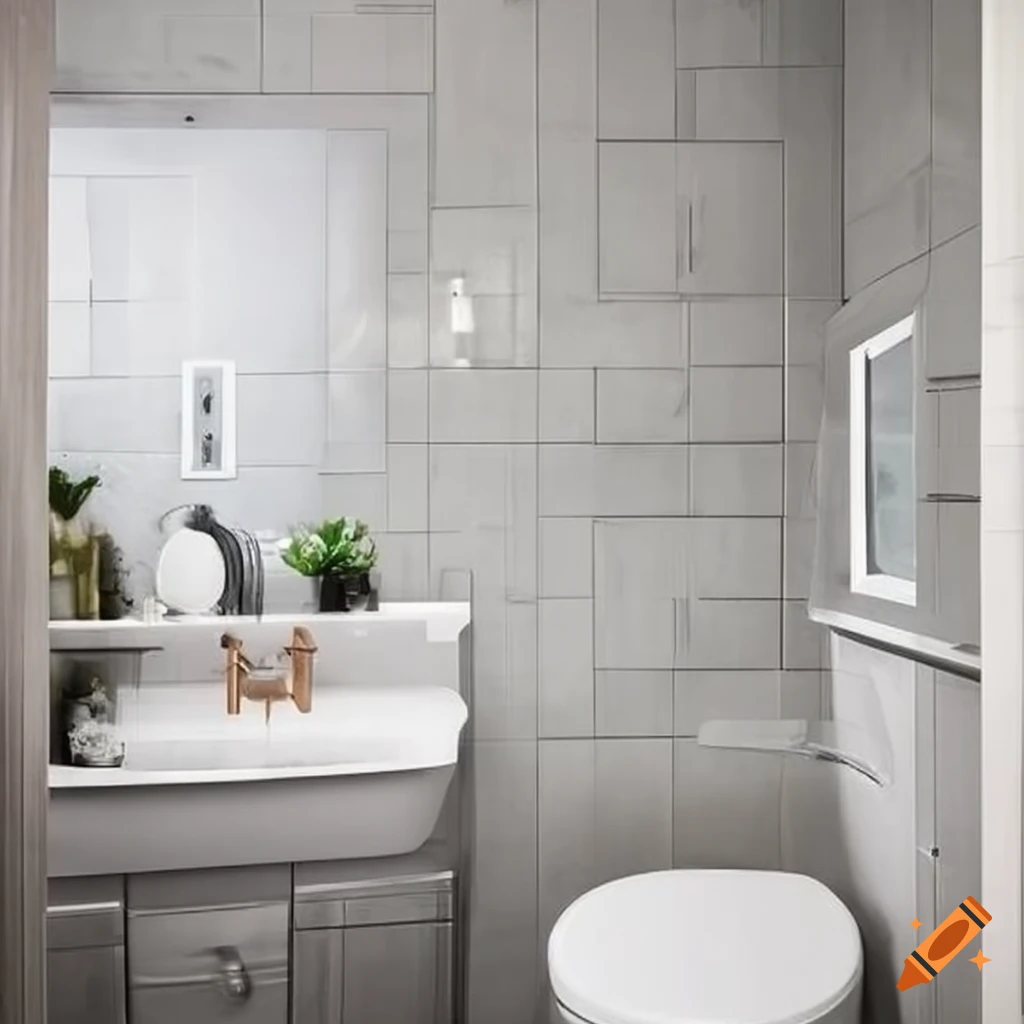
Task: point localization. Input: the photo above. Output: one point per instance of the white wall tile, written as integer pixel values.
(403, 566)
(357, 220)
(407, 406)
(736, 480)
(710, 33)
(736, 332)
(124, 46)
(69, 264)
(68, 338)
(483, 405)
(287, 53)
(637, 632)
(408, 320)
(369, 52)
(633, 703)
(407, 488)
(641, 406)
(566, 678)
(495, 252)
(584, 480)
(636, 69)
(357, 496)
(567, 405)
(111, 415)
(728, 634)
(485, 103)
(356, 422)
(726, 808)
(637, 242)
(702, 696)
(735, 404)
(294, 434)
(566, 558)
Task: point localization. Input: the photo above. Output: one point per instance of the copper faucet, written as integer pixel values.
(296, 685)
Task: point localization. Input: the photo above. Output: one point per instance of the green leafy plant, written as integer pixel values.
(67, 496)
(337, 547)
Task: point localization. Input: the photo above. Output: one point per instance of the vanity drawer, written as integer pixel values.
(209, 946)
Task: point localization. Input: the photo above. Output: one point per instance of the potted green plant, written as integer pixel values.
(339, 553)
(74, 549)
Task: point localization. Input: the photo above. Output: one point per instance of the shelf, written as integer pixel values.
(443, 622)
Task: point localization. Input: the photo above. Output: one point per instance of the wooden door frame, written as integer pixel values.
(25, 74)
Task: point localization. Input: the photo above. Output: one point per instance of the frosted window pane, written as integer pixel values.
(891, 490)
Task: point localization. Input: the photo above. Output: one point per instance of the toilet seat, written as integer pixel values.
(705, 947)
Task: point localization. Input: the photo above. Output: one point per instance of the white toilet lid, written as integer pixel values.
(705, 947)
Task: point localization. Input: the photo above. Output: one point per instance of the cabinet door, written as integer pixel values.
(398, 974)
(85, 986)
(317, 976)
(730, 213)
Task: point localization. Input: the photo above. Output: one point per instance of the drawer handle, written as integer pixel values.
(235, 982)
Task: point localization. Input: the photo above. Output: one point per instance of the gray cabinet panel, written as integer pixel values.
(317, 976)
(398, 974)
(952, 344)
(85, 986)
(730, 218)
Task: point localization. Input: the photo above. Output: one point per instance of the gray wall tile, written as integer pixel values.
(736, 480)
(725, 33)
(582, 480)
(566, 558)
(633, 703)
(736, 332)
(726, 808)
(803, 32)
(566, 668)
(362, 496)
(636, 69)
(407, 488)
(567, 405)
(483, 405)
(702, 696)
(641, 406)
(735, 404)
(407, 406)
(501, 939)
(728, 634)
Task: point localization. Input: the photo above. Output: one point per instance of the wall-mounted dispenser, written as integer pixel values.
(208, 428)
(463, 322)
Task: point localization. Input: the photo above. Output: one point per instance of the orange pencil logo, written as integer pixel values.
(943, 944)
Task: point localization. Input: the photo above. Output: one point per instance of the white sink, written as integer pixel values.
(364, 775)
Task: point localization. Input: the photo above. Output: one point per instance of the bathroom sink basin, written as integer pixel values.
(364, 775)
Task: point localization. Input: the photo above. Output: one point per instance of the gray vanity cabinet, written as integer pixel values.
(372, 950)
(85, 952)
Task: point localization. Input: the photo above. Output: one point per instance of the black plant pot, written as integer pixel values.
(345, 593)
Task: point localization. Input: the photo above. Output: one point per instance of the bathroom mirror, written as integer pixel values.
(253, 241)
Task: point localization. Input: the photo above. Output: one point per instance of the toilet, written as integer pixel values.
(707, 947)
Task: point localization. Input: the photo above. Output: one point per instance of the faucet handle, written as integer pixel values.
(302, 642)
(230, 643)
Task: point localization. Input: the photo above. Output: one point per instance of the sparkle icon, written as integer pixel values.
(915, 924)
(980, 959)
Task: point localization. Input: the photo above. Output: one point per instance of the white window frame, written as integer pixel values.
(872, 584)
